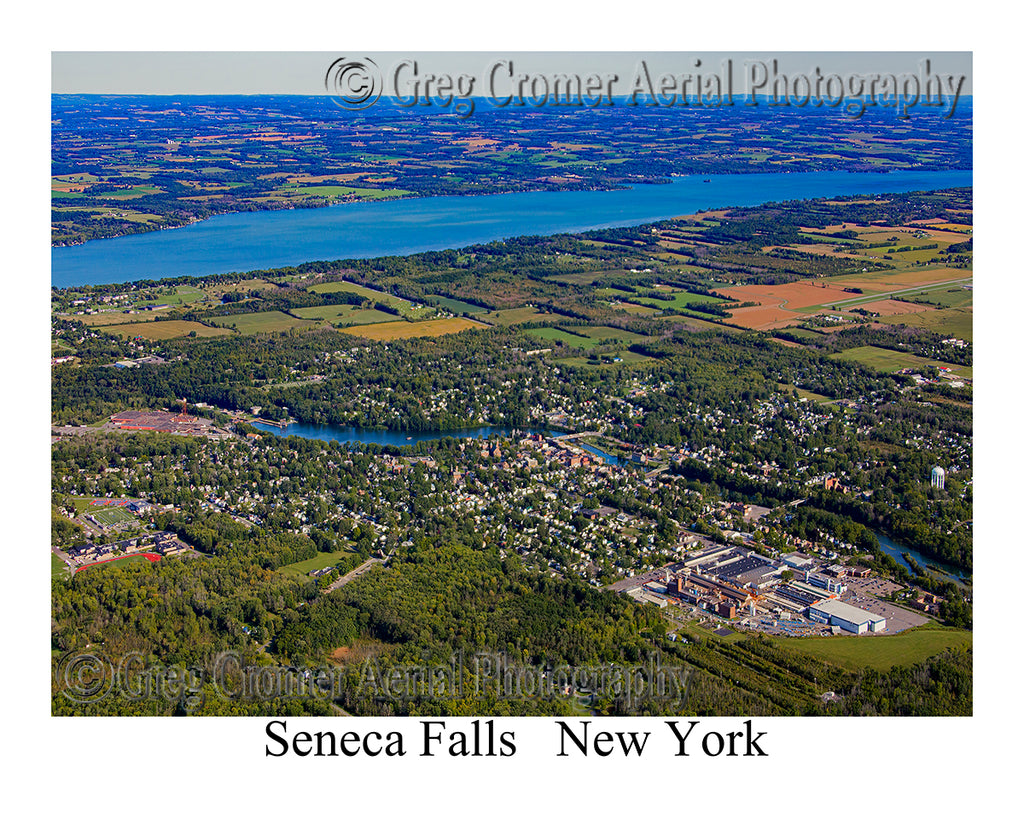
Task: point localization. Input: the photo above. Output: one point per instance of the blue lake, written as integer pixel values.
(240, 242)
(386, 437)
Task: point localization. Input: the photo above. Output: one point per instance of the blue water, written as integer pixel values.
(240, 242)
(604, 456)
(385, 437)
(895, 551)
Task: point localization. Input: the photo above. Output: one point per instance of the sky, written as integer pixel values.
(290, 72)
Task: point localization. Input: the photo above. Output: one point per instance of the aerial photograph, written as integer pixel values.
(467, 384)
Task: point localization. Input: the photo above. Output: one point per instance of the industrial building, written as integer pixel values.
(847, 617)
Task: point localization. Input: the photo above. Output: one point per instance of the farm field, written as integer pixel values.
(343, 314)
(890, 361)
(158, 330)
(270, 321)
(625, 357)
(516, 315)
(407, 308)
(680, 299)
(556, 334)
(881, 652)
(956, 323)
(108, 317)
(456, 306)
(388, 331)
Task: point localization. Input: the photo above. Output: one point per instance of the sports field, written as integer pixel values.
(112, 515)
(391, 330)
(881, 651)
(160, 330)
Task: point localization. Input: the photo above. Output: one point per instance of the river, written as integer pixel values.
(241, 242)
(386, 437)
(940, 570)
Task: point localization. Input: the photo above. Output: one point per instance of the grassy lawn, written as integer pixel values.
(58, 568)
(321, 561)
(881, 652)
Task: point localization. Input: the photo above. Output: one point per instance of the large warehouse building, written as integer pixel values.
(847, 617)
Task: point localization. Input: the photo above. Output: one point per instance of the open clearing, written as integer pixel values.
(956, 323)
(271, 321)
(159, 330)
(890, 361)
(321, 561)
(881, 651)
(343, 315)
(519, 315)
(391, 330)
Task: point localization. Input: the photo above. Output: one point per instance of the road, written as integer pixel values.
(358, 571)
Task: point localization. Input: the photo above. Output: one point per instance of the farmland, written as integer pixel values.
(890, 361)
(391, 330)
(343, 315)
(271, 321)
(159, 330)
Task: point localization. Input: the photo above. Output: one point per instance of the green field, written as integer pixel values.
(391, 330)
(407, 308)
(331, 191)
(555, 334)
(956, 323)
(680, 299)
(321, 561)
(159, 330)
(111, 515)
(183, 294)
(604, 335)
(456, 306)
(625, 356)
(343, 315)
(518, 315)
(890, 361)
(270, 321)
(58, 568)
(881, 651)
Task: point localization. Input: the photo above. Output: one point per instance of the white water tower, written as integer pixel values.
(939, 477)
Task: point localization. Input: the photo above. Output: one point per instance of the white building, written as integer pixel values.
(847, 617)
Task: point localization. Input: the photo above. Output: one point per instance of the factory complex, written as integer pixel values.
(791, 595)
